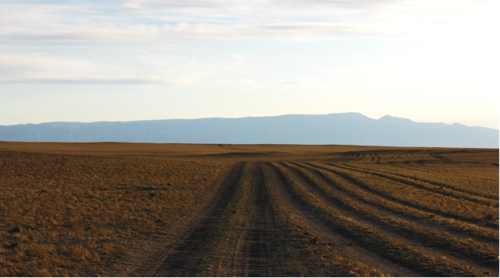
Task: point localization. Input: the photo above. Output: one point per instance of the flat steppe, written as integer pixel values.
(119, 209)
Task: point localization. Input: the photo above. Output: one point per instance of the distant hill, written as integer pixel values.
(342, 129)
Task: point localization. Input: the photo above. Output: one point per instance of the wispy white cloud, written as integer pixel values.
(155, 23)
(27, 65)
(89, 79)
(223, 19)
(15, 69)
(246, 7)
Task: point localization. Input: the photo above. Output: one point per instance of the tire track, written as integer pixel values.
(328, 231)
(258, 254)
(402, 202)
(384, 245)
(480, 234)
(439, 157)
(403, 156)
(352, 156)
(374, 158)
(451, 243)
(401, 177)
(238, 235)
(184, 258)
(457, 195)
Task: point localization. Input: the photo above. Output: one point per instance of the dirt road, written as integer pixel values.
(323, 219)
(236, 234)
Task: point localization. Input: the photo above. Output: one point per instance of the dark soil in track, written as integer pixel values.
(205, 248)
(184, 258)
(184, 261)
(382, 195)
(249, 233)
(325, 230)
(411, 237)
(259, 251)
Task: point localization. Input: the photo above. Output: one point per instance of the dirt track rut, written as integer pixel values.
(235, 236)
(183, 258)
(259, 250)
(244, 231)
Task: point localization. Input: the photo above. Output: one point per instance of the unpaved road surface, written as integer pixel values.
(335, 218)
(231, 237)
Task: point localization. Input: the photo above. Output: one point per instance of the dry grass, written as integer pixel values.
(428, 197)
(418, 231)
(305, 251)
(375, 239)
(77, 215)
(82, 209)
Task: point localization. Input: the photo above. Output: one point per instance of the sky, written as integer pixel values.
(126, 60)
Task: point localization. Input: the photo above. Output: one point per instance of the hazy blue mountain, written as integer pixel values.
(344, 129)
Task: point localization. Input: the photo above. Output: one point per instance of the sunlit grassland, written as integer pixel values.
(98, 209)
(78, 215)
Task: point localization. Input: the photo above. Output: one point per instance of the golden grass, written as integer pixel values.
(416, 230)
(75, 215)
(80, 209)
(375, 239)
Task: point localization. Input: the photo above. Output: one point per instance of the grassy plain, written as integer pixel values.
(116, 209)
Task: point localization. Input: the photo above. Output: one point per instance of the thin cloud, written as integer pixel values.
(31, 68)
(155, 24)
(244, 6)
(82, 80)
(157, 21)
(28, 69)
(183, 31)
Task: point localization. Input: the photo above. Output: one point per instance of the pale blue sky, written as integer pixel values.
(429, 61)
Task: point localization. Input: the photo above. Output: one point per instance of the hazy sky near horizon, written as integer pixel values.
(124, 60)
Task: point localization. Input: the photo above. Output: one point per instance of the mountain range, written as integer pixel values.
(340, 129)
